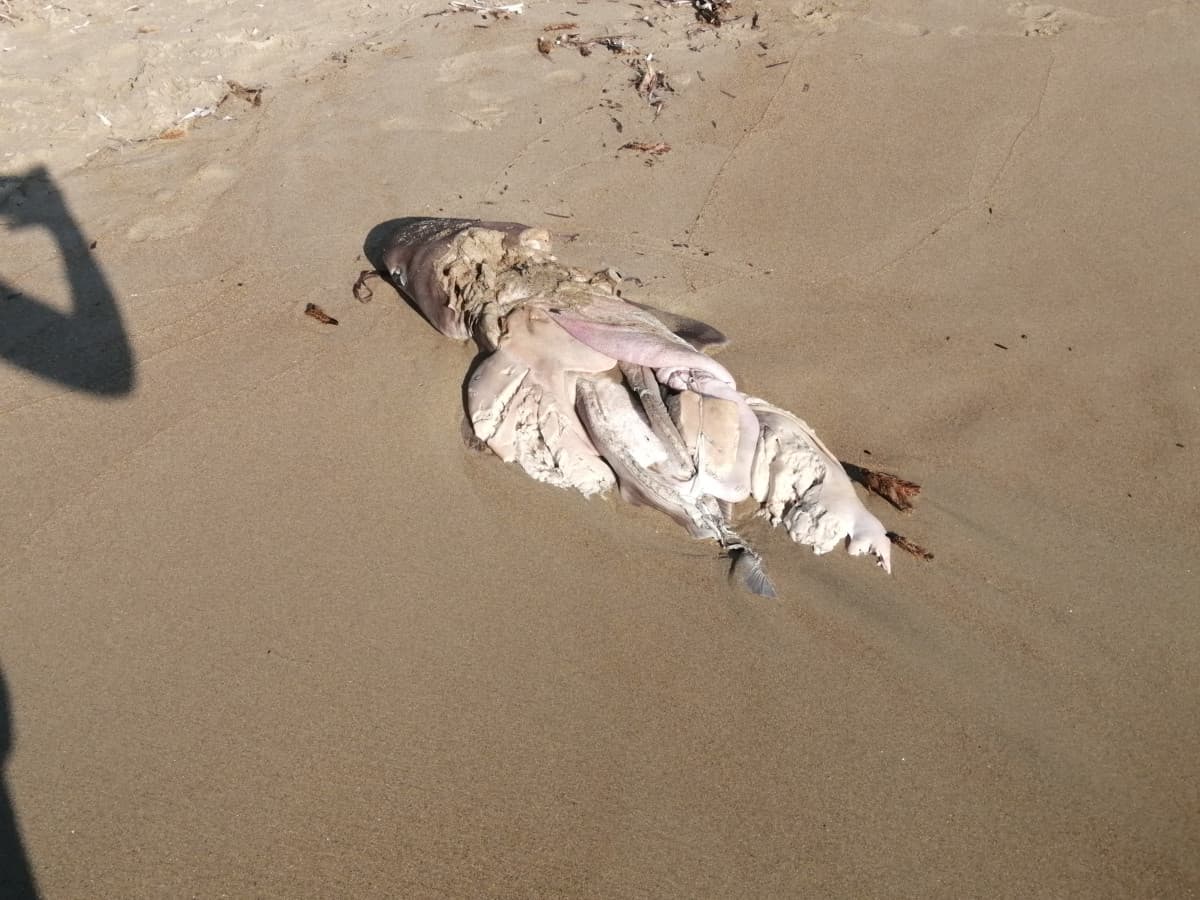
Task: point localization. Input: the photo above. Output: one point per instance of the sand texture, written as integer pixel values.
(269, 629)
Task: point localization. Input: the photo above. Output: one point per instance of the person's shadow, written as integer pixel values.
(16, 878)
(86, 349)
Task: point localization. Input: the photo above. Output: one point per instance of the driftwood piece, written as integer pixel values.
(892, 488)
(909, 546)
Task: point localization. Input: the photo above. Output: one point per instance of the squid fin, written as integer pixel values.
(748, 571)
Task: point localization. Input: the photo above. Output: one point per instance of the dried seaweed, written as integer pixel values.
(909, 546)
(362, 292)
(892, 488)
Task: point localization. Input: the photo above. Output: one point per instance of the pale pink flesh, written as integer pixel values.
(522, 401)
(678, 365)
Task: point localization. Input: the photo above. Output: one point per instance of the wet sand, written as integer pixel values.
(269, 629)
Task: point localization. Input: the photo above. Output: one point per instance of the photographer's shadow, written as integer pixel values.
(16, 878)
(86, 349)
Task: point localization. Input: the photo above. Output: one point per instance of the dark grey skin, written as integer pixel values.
(407, 252)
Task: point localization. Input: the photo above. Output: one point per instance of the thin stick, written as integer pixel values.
(319, 314)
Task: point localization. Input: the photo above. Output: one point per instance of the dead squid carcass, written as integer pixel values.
(586, 390)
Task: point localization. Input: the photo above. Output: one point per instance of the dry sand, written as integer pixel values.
(269, 630)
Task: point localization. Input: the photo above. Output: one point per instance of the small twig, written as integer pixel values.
(657, 149)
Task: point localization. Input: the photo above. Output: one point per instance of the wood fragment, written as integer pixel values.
(911, 547)
(561, 26)
(319, 314)
(657, 149)
(893, 489)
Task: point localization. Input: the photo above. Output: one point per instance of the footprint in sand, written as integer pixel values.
(903, 29)
(465, 97)
(451, 117)
(821, 16)
(1044, 20)
(563, 76)
(475, 65)
(456, 104)
(182, 207)
(1038, 20)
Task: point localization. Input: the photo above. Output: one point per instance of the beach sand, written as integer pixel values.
(269, 629)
